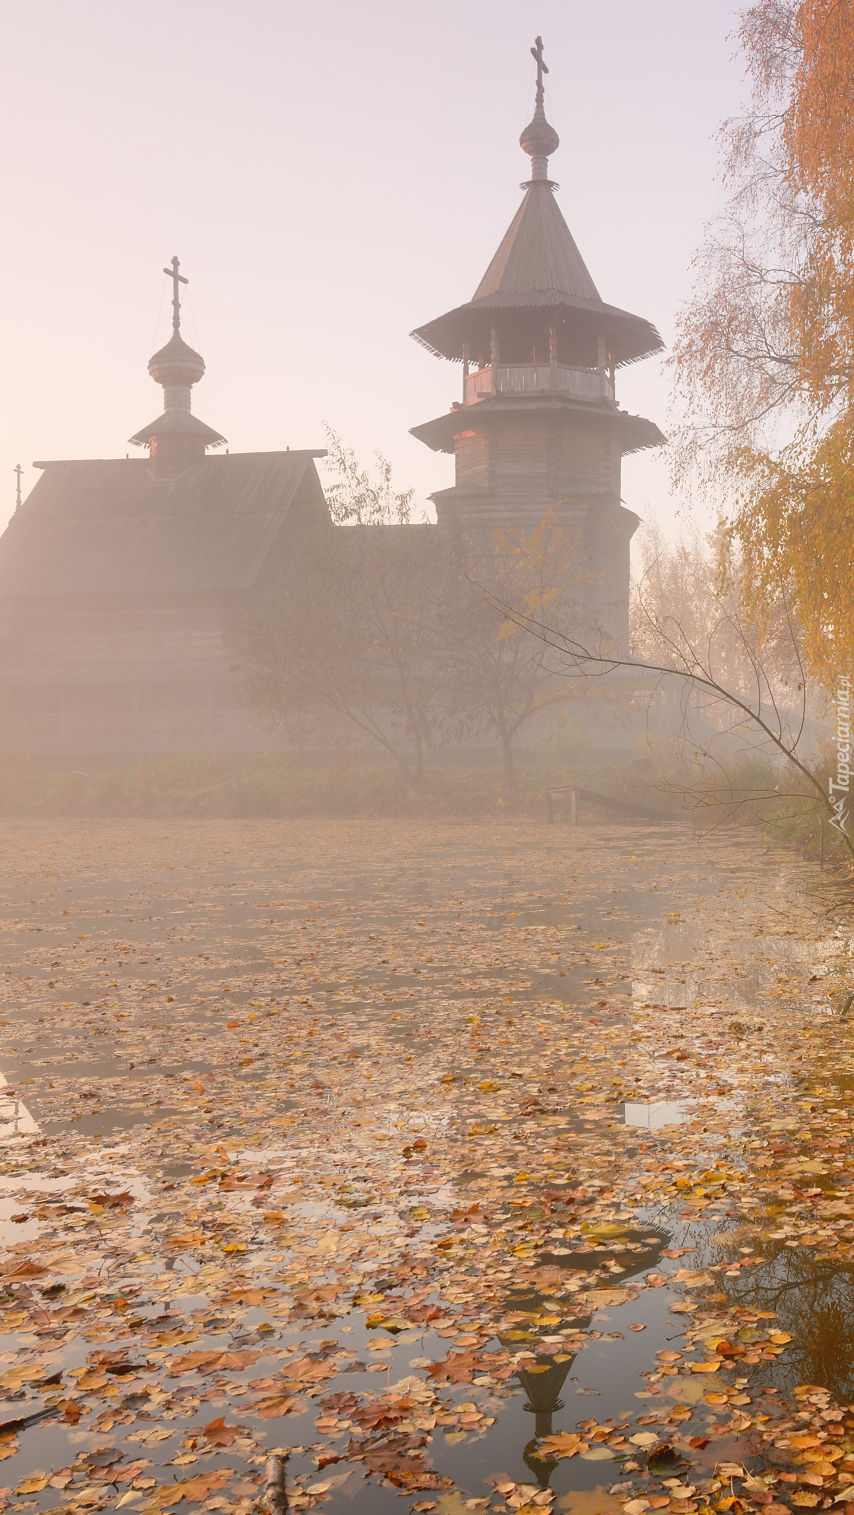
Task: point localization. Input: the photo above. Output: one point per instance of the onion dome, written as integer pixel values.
(539, 139)
(177, 438)
(176, 364)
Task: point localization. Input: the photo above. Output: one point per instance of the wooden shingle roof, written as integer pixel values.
(108, 526)
(537, 256)
(539, 269)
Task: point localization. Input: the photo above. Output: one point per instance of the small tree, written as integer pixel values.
(347, 640)
(355, 498)
(762, 698)
(497, 677)
(688, 603)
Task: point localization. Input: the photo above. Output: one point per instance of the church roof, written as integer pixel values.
(538, 269)
(177, 423)
(537, 256)
(110, 527)
(538, 266)
(631, 433)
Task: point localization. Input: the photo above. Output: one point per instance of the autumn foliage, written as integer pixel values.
(765, 353)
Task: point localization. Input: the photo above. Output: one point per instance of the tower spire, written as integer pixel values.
(539, 140)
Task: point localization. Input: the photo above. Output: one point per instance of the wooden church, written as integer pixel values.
(124, 583)
(537, 431)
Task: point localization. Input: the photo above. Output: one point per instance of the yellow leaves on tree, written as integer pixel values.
(795, 526)
(765, 354)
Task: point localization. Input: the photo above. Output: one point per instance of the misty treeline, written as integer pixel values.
(751, 726)
(384, 635)
(691, 611)
(381, 632)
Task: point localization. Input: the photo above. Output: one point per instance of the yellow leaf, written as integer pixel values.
(13, 1378)
(705, 1367)
(563, 1444)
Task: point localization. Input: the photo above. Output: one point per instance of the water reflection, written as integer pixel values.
(15, 1118)
(636, 1251)
(812, 1298)
(542, 1382)
(663, 1112)
(550, 1315)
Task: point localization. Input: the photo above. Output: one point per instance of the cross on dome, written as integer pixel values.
(539, 139)
(173, 274)
(542, 68)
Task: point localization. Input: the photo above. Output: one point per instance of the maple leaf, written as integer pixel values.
(343, 1400)
(420, 1313)
(457, 1367)
(236, 1360)
(277, 1404)
(218, 1433)
(310, 1370)
(380, 1413)
(249, 1296)
(131, 1470)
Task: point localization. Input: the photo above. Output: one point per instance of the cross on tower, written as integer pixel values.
(542, 68)
(18, 470)
(173, 274)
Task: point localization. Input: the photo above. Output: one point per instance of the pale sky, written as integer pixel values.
(330, 176)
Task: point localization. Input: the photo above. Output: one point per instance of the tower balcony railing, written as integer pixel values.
(537, 379)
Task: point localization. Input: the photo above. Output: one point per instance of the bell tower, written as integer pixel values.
(537, 433)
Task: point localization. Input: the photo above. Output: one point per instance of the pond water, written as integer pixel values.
(472, 1111)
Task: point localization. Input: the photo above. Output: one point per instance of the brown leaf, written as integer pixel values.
(279, 1404)
(236, 1360)
(218, 1433)
(457, 1367)
(25, 1269)
(194, 1489)
(310, 1370)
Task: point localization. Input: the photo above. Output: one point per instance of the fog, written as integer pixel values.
(425, 861)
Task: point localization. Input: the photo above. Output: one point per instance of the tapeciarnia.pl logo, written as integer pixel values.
(839, 786)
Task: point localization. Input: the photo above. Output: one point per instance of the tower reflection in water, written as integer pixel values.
(543, 1379)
